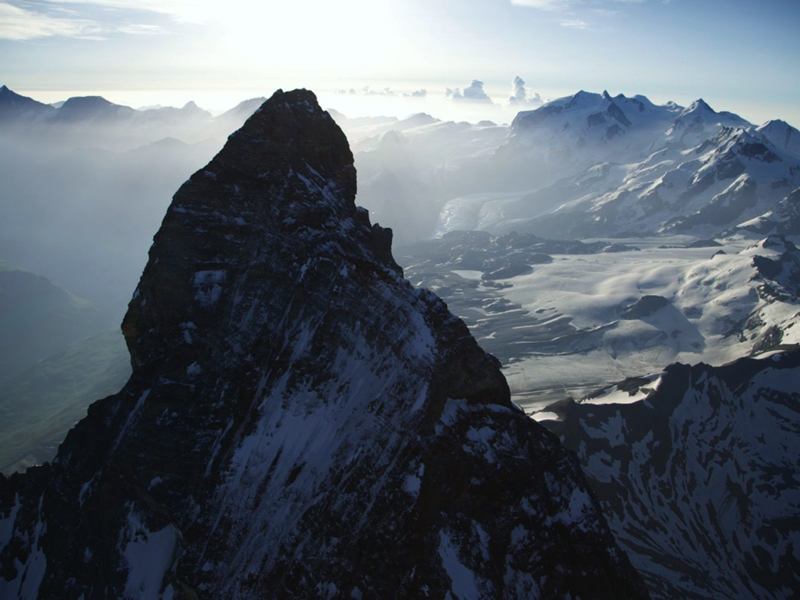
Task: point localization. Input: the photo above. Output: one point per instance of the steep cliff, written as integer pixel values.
(301, 422)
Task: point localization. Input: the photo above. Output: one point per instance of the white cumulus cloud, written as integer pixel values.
(519, 95)
(473, 93)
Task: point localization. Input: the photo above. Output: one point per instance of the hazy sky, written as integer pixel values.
(739, 55)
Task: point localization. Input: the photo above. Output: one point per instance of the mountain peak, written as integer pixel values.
(699, 105)
(91, 108)
(300, 418)
(87, 101)
(292, 165)
(15, 106)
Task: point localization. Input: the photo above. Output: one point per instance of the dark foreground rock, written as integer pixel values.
(301, 422)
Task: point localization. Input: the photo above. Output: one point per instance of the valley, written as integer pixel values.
(570, 325)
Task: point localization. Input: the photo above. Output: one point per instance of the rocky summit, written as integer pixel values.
(301, 422)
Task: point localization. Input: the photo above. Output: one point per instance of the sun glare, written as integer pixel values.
(347, 35)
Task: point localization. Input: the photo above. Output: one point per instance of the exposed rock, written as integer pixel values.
(301, 422)
(644, 307)
(704, 244)
(508, 272)
(620, 248)
(699, 479)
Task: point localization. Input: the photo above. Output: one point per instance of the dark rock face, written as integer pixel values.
(780, 275)
(645, 306)
(699, 479)
(301, 422)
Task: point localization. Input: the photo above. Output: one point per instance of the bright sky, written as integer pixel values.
(739, 55)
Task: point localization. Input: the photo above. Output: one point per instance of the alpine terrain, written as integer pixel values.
(301, 422)
(697, 472)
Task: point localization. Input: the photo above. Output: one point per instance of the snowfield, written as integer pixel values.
(584, 321)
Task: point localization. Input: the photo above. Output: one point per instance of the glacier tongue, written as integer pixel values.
(302, 422)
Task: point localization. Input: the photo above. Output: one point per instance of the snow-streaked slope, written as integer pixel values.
(574, 133)
(782, 135)
(696, 124)
(731, 177)
(698, 474)
(782, 219)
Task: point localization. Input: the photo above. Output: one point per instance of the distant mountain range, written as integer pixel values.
(582, 166)
(21, 113)
(586, 165)
(626, 167)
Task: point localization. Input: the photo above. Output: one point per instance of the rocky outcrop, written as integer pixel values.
(697, 471)
(301, 422)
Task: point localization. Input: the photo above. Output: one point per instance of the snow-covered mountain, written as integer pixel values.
(301, 422)
(696, 124)
(591, 165)
(733, 177)
(568, 135)
(697, 471)
(782, 219)
(782, 135)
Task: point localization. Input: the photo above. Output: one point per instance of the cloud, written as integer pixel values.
(19, 24)
(571, 13)
(519, 95)
(138, 29)
(79, 18)
(565, 5)
(473, 93)
(545, 4)
(184, 11)
(234, 11)
(368, 91)
(574, 23)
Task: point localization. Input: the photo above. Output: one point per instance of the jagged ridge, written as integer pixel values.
(698, 476)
